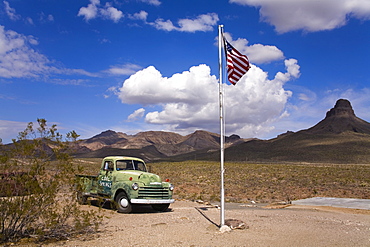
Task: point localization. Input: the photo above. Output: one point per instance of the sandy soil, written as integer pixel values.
(193, 224)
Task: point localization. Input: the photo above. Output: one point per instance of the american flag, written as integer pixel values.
(237, 63)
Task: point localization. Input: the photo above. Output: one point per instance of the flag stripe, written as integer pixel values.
(237, 63)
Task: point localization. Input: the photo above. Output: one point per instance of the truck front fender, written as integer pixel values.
(121, 187)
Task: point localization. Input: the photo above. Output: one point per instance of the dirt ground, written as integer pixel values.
(192, 224)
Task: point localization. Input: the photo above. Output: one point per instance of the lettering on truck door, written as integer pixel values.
(105, 178)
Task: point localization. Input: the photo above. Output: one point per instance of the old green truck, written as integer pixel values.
(126, 182)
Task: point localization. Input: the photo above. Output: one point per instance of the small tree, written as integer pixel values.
(37, 187)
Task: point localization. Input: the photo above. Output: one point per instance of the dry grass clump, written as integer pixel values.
(200, 180)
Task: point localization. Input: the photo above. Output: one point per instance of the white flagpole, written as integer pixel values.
(222, 129)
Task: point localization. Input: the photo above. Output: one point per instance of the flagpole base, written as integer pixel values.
(225, 228)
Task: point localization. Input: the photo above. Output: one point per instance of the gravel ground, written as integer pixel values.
(193, 224)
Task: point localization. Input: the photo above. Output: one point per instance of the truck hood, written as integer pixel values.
(142, 177)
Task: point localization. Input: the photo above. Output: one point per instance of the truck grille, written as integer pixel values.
(147, 192)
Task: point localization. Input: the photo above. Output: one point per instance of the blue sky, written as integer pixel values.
(139, 65)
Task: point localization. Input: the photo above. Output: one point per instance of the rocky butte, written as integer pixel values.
(341, 137)
(340, 119)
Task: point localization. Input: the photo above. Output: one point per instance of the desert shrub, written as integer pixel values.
(37, 187)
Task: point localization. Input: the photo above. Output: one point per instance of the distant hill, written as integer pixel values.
(105, 139)
(151, 145)
(340, 119)
(341, 137)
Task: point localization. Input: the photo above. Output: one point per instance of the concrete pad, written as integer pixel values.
(335, 202)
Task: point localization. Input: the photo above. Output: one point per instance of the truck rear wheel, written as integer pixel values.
(123, 203)
(160, 207)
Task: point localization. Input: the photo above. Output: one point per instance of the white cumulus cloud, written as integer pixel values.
(152, 2)
(94, 10)
(19, 60)
(91, 11)
(203, 23)
(139, 113)
(111, 13)
(256, 53)
(125, 69)
(149, 87)
(11, 11)
(142, 15)
(308, 15)
(189, 100)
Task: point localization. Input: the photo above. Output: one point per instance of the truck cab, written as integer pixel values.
(126, 182)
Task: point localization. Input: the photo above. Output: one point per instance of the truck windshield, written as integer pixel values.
(130, 165)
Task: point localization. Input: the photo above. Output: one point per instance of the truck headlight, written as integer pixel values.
(135, 186)
(171, 187)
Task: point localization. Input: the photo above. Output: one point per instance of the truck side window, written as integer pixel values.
(124, 165)
(108, 166)
(139, 166)
(130, 165)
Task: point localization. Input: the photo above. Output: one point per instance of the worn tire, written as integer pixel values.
(81, 199)
(123, 203)
(160, 207)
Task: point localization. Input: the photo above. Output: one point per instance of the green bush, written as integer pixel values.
(37, 195)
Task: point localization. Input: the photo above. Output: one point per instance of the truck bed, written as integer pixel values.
(88, 183)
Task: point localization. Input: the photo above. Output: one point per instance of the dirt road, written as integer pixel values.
(192, 224)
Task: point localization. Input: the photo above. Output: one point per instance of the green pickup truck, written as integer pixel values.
(125, 181)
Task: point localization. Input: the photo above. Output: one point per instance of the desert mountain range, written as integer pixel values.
(341, 137)
(152, 144)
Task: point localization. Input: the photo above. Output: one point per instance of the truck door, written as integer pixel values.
(105, 178)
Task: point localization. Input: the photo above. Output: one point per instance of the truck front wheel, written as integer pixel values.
(123, 203)
(160, 207)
